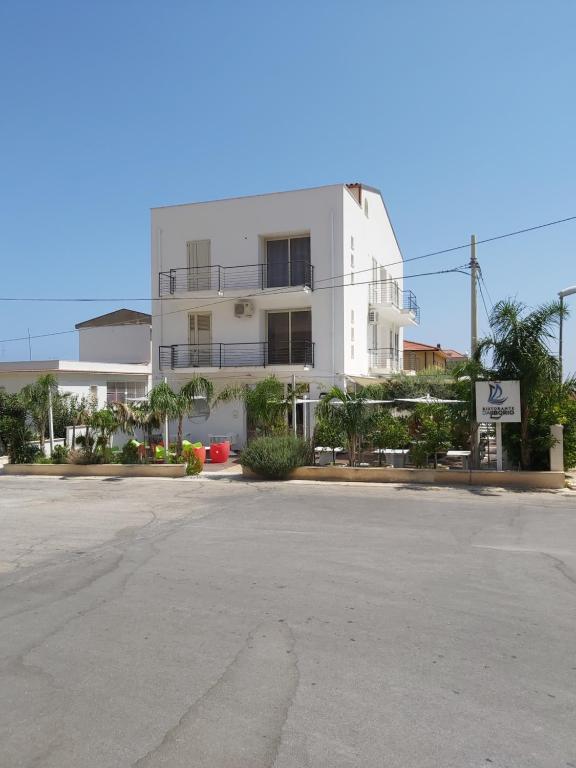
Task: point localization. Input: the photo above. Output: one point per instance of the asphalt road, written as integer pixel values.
(225, 624)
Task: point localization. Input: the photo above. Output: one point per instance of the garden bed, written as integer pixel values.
(527, 480)
(97, 470)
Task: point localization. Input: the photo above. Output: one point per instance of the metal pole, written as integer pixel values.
(473, 297)
(474, 432)
(305, 417)
(166, 435)
(560, 336)
(294, 418)
(50, 421)
(499, 446)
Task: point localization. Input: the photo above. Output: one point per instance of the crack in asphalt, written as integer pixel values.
(239, 720)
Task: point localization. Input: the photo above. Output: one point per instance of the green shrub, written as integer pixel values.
(275, 457)
(60, 454)
(41, 459)
(193, 465)
(129, 453)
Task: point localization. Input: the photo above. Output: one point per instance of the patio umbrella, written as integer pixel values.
(427, 399)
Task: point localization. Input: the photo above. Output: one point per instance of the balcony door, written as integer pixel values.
(290, 337)
(199, 272)
(287, 262)
(200, 339)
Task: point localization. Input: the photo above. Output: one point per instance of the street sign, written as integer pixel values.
(497, 401)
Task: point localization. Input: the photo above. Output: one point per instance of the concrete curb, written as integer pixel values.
(96, 470)
(452, 477)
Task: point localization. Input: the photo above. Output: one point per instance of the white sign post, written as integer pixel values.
(498, 401)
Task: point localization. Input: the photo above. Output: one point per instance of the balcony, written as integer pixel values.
(218, 279)
(258, 354)
(394, 304)
(385, 360)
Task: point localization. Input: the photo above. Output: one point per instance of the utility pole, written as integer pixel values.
(474, 434)
(50, 421)
(166, 432)
(473, 297)
(294, 424)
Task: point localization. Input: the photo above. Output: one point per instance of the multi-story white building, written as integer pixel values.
(304, 284)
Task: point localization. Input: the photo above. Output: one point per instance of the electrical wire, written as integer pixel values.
(325, 279)
(211, 304)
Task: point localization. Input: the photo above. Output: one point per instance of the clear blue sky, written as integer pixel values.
(462, 113)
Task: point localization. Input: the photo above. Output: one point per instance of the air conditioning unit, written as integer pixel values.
(372, 317)
(243, 309)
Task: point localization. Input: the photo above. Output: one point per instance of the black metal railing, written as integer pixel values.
(389, 292)
(296, 273)
(248, 354)
(385, 358)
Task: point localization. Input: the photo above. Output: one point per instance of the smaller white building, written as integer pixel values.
(114, 362)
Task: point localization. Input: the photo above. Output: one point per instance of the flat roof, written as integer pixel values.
(74, 366)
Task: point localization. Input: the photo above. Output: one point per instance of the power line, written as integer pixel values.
(325, 279)
(202, 306)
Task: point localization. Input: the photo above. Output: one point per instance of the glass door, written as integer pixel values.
(200, 338)
(288, 262)
(289, 337)
(277, 267)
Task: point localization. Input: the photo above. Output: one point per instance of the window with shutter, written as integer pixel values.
(199, 271)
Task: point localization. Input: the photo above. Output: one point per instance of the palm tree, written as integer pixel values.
(36, 398)
(164, 403)
(265, 402)
(145, 418)
(198, 388)
(349, 411)
(519, 348)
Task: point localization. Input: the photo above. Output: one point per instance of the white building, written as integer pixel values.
(114, 361)
(305, 283)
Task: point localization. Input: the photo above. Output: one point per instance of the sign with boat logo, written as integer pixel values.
(497, 401)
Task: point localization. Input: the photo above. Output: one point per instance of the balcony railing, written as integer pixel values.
(385, 358)
(259, 354)
(248, 276)
(389, 292)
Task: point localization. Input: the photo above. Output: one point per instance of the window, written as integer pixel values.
(199, 272)
(200, 339)
(352, 242)
(94, 392)
(124, 391)
(352, 333)
(366, 207)
(352, 260)
(288, 262)
(351, 351)
(290, 337)
(351, 278)
(352, 316)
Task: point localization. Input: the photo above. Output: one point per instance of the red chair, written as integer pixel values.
(200, 453)
(219, 452)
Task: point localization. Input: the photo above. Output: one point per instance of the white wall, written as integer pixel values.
(116, 344)
(373, 238)
(78, 383)
(236, 229)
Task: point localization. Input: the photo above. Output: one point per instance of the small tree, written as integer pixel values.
(15, 437)
(433, 429)
(164, 403)
(36, 398)
(387, 431)
(329, 433)
(519, 349)
(198, 388)
(265, 402)
(349, 411)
